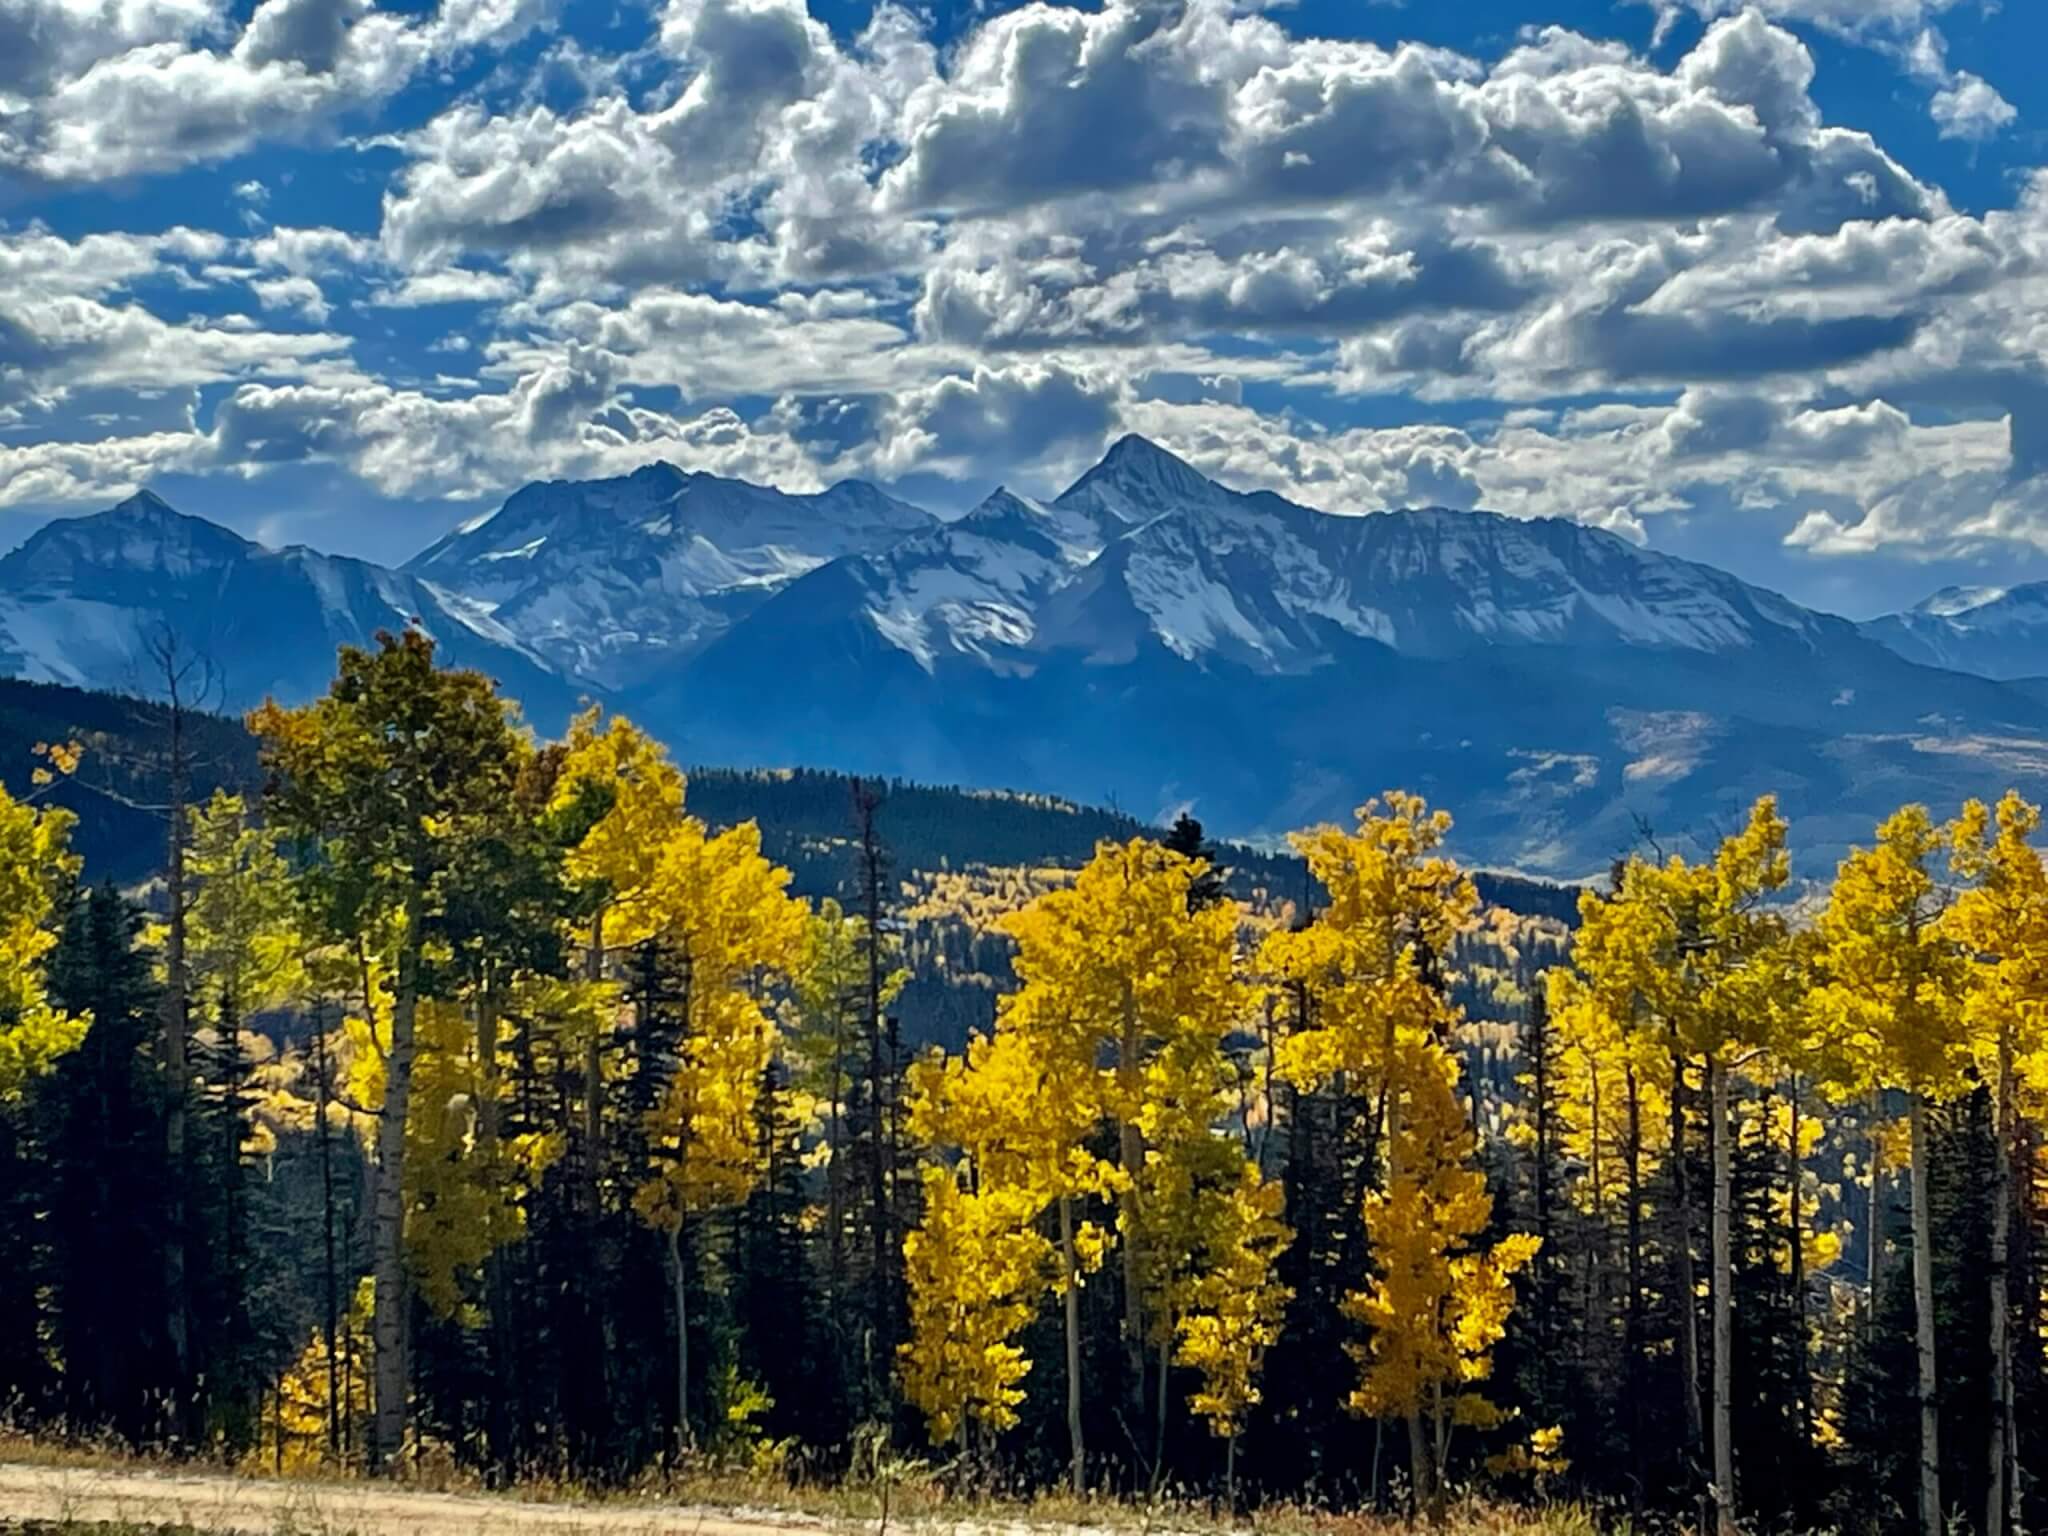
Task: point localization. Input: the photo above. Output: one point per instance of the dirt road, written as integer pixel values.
(264, 1508)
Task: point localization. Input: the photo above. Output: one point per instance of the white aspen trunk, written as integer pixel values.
(387, 1232)
(680, 1285)
(1923, 1310)
(1073, 1322)
(1874, 1241)
(2000, 1286)
(1724, 1322)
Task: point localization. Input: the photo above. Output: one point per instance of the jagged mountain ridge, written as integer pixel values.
(1998, 632)
(1148, 637)
(1143, 546)
(83, 601)
(1271, 664)
(616, 580)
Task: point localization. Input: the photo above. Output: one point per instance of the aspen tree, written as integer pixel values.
(1735, 967)
(1891, 1014)
(1436, 1301)
(726, 911)
(2001, 922)
(1121, 967)
(978, 1265)
(384, 783)
(36, 868)
(618, 782)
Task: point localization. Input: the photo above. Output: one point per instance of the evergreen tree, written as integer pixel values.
(107, 1199)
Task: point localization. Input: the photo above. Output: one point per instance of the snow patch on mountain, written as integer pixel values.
(616, 580)
(1996, 632)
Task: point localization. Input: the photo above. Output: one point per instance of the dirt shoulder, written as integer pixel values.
(258, 1507)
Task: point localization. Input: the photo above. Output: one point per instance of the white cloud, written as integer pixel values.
(93, 92)
(984, 261)
(1968, 108)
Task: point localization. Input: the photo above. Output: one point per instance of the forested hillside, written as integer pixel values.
(464, 1098)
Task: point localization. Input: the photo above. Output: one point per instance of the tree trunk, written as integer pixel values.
(175, 1028)
(680, 1290)
(1873, 1241)
(1159, 1430)
(1802, 1381)
(323, 1087)
(1724, 1281)
(1688, 1282)
(497, 1298)
(387, 1231)
(593, 1077)
(1999, 1470)
(1422, 1492)
(1131, 1156)
(1923, 1310)
(1632, 1374)
(1073, 1325)
(881, 1190)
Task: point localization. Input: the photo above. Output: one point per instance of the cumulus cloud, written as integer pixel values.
(1650, 284)
(97, 92)
(1969, 108)
(72, 322)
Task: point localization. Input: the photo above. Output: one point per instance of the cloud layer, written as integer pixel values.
(1600, 283)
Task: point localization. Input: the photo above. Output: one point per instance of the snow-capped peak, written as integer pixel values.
(1137, 481)
(1951, 601)
(614, 580)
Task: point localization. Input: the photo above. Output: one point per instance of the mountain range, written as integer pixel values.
(1149, 637)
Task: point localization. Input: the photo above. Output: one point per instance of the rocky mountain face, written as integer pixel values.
(1991, 631)
(616, 581)
(1149, 638)
(1154, 639)
(85, 601)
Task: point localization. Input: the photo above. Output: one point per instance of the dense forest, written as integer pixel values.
(448, 1095)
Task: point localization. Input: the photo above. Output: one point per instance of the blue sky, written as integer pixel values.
(1763, 284)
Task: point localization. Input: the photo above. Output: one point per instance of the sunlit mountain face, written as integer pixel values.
(1148, 637)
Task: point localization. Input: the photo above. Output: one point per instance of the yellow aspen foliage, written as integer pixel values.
(1393, 900)
(977, 1266)
(2001, 923)
(1611, 1009)
(36, 865)
(1228, 1309)
(726, 911)
(1117, 959)
(1890, 1002)
(464, 1200)
(1128, 993)
(618, 780)
(1212, 1232)
(1019, 1119)
(1438, 1299)
(242, 941)
(318, 1415)
(977, 1269)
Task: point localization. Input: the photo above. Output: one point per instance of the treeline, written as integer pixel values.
(468, 1098)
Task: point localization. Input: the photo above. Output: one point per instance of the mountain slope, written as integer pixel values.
(82, 601)
(1553, 685)
(616, 580)
(1997, 632)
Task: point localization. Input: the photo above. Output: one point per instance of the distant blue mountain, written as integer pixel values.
(1149, 637)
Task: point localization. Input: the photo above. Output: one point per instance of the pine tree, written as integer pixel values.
(103, 1111)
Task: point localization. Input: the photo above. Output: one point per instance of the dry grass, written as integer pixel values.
(87, 1488)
